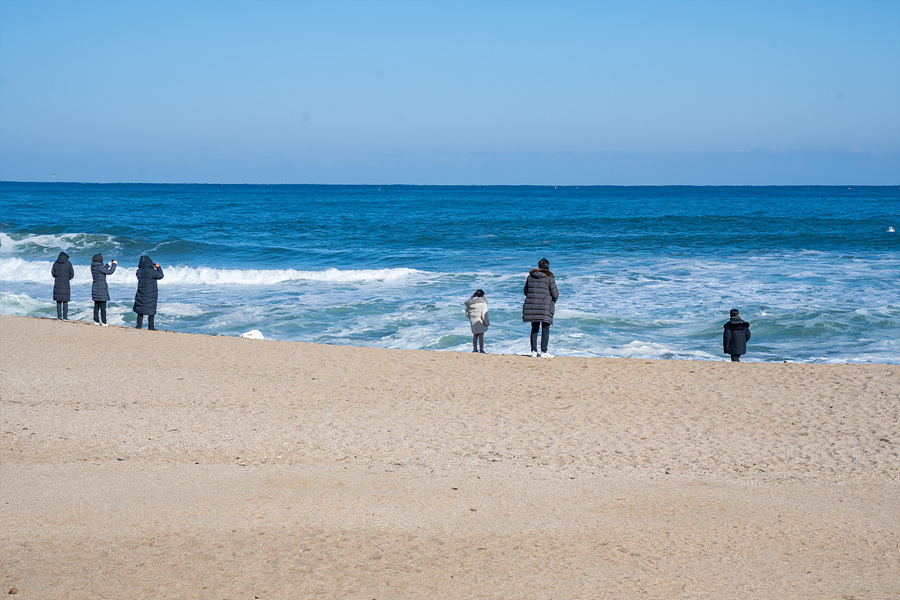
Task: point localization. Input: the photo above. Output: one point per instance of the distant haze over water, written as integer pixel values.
(646, 272)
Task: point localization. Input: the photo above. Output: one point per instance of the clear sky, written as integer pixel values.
(451, 92)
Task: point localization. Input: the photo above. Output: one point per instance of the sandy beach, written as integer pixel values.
(138, 464)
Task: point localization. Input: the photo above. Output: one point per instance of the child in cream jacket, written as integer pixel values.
(477, 311)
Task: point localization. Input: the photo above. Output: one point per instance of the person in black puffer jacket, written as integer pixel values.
(540, 304)
(148, 273)
(735, 336)
(99, 289)
(62, 272)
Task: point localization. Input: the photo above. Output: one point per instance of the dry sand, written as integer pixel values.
(137, 464)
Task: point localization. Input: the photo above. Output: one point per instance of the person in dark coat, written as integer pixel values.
(540, 304)
(99, 289)
(147, 291)
(735, 336)
(62, 272)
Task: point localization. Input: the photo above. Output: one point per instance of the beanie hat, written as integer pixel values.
(543, 264)
(97, 258)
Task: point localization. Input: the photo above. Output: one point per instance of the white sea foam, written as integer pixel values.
(269, 277)
(21, 304)
(180, 309)
(642, 349)
(16, 270)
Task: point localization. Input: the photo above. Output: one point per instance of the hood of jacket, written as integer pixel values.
(62, 258)
(474, 300)
(145, 263)
(540, 273)
(736, 323)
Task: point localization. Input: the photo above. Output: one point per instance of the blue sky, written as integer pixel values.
(438, 92)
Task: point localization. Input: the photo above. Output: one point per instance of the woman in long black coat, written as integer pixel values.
(99, 289)
(62, 272)
(540, 304)
(148, 273)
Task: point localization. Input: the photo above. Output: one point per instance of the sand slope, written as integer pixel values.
(157, 464)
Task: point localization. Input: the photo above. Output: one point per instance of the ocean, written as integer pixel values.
(643, 272)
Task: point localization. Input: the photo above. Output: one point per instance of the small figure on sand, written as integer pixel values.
(540, 304)
(147, 291)
(62, 272)
(477, 311)
(735, 336)
(99, 289)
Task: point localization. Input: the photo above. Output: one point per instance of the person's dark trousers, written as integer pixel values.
(735, 358)
(140, 322)
(545, 335)
(62, 310)
(99, 311)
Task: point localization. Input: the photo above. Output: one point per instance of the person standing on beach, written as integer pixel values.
(62, 272)
(540, 304)
(477, 311)
(735, 336)
(147, 291)
(99, 289)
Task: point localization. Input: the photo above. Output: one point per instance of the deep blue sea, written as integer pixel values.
(647, 272)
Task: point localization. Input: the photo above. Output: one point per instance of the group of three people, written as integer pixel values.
(145, 298)
(541, 295)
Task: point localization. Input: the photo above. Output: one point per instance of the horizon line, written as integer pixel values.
(535, 185)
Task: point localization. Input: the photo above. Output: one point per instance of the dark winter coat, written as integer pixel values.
(734, 339)
(147, 291)
(62, 272)
(540, 297)
(99, 289)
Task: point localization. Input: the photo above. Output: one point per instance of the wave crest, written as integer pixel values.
(16, 270)
(56, 242)
(264, 277)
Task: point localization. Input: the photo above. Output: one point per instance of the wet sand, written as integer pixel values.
(137, 464)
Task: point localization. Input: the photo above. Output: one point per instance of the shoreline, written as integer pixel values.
(144, 464)
(746, 358)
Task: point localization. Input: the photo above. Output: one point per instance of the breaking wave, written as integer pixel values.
(53, 243)
(16, 270)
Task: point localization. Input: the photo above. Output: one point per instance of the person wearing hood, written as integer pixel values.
(735, 336)
(99, 289)
(148, 272)
(477, 311)
(540, 304)
(62, 272)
